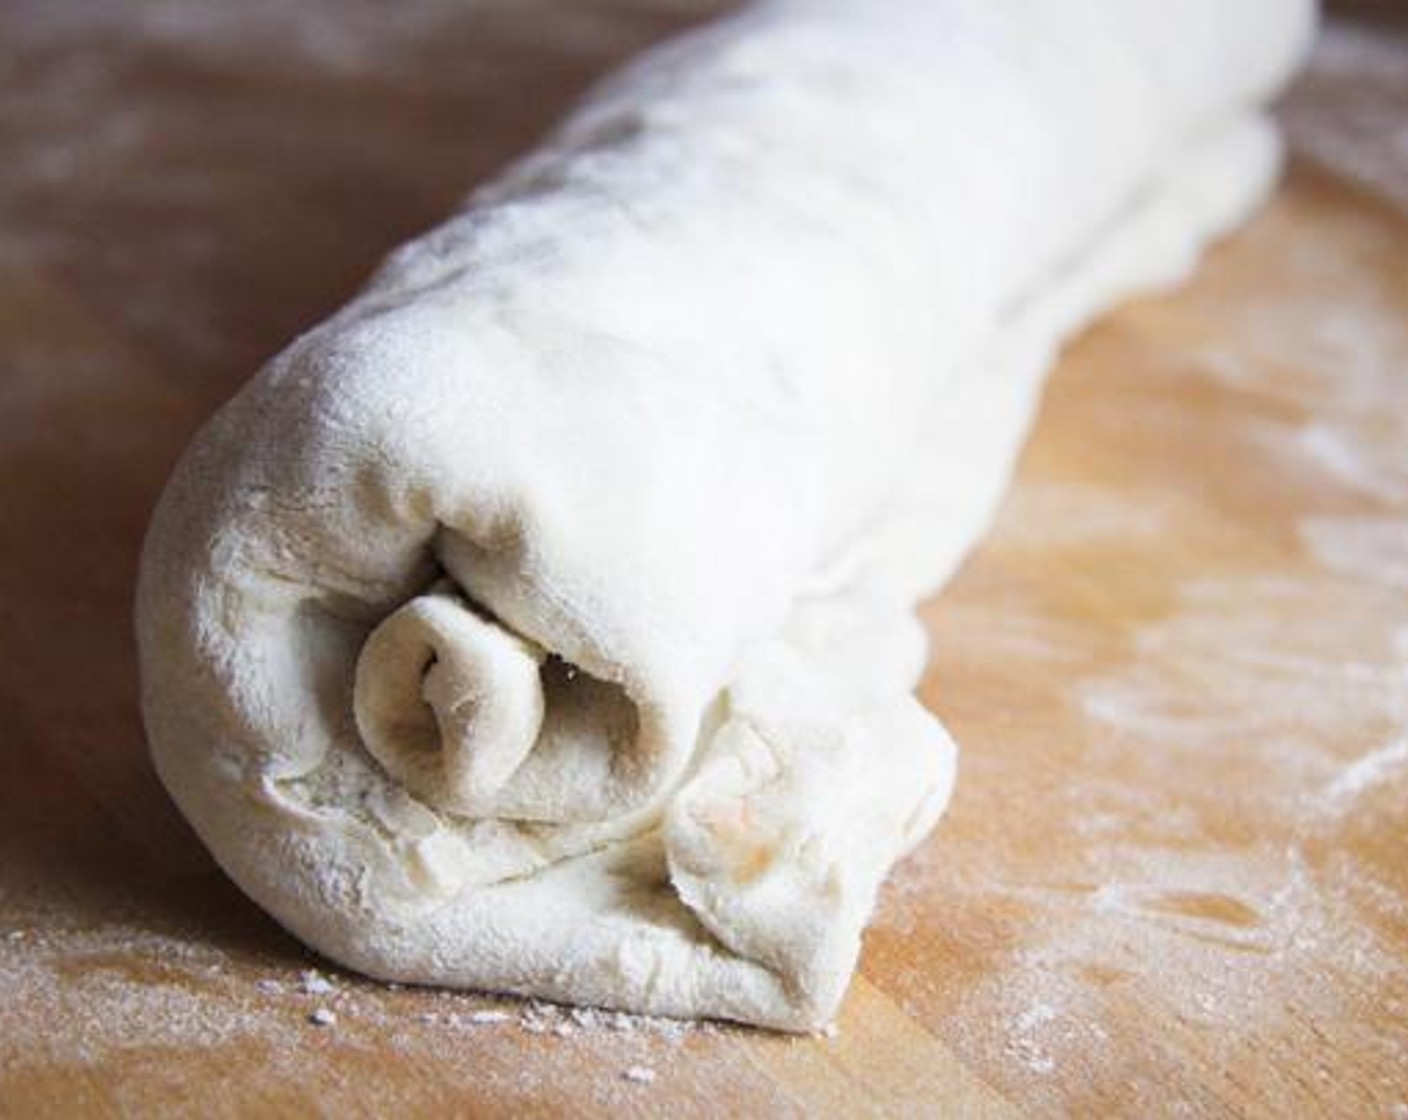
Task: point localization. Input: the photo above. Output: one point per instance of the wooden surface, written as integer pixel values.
(1174, 880)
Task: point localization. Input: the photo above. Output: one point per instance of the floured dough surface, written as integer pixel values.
(542, 622)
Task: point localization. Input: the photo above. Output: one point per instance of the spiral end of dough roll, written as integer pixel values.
(448, 702)
(479, 722)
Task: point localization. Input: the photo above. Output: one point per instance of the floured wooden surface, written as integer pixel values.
(1175, 876)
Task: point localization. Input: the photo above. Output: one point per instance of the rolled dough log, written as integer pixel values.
(542, 622)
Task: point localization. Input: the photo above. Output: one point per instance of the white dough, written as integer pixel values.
(542, 622)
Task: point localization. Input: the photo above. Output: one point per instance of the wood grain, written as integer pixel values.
(1175, 878)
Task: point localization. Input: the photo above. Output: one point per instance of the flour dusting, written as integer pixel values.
(1363, 773)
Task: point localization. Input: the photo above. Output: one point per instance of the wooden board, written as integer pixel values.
(1175, 877)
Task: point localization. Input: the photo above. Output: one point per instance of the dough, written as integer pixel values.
(542, 622)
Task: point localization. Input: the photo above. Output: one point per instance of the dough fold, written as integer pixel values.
(543, 621)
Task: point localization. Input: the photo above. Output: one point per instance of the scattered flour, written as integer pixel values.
(117, 987)
(1372, 468)
(313, 983)
(1022, 1042)
(1371, 548)
(1365, 772)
